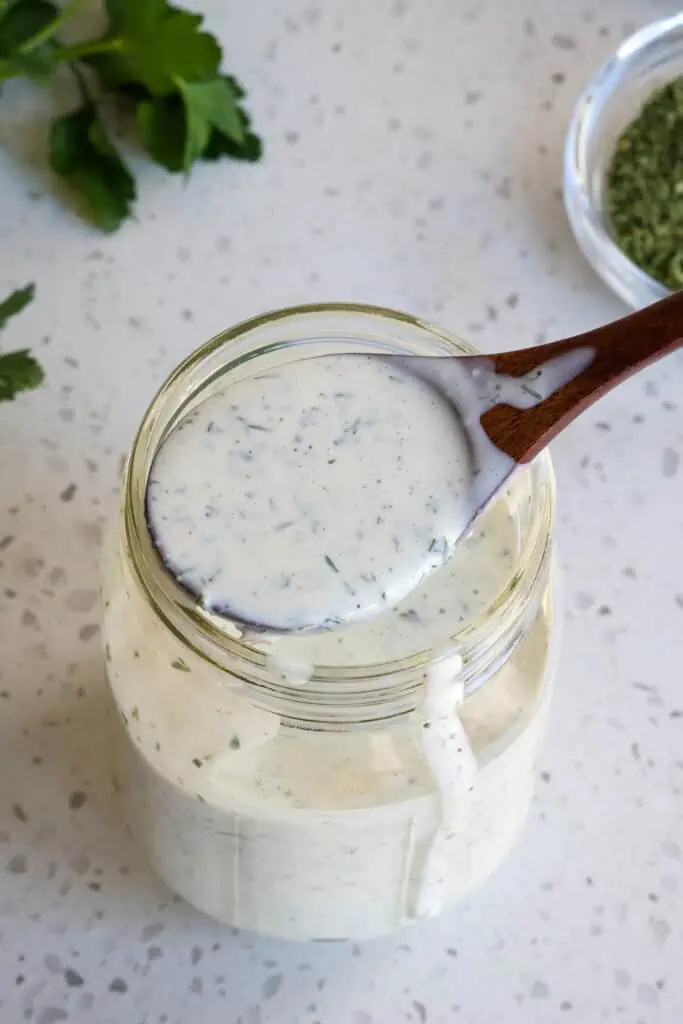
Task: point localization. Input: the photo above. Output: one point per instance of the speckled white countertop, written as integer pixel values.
(413, 160)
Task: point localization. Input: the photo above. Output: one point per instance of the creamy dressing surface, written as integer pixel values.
(317, 493)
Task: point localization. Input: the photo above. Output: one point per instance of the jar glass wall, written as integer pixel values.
(324, 792)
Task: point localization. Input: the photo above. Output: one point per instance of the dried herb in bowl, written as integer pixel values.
(644, 187)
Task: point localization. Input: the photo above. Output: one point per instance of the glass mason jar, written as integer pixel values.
(344, 787)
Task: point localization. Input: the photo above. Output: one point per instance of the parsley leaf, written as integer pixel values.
(15, 302)
(162, 127)
(81, 152)
(202, 119)
(208, 105)
(249, 149)
(32, 65)
(153, 44)
(19, 371)
(21, 21)
(22, 51)
(155, 60)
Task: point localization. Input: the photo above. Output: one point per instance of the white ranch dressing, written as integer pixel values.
(260, 824)
(339, 484)
(314, 494)
(325, 491)
(453, 766)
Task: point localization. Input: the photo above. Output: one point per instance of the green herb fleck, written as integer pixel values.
(135, 714)
(197, 762)
(410, 615)
(235, 743)
(644, 187)
(180, 665)
(331, 564)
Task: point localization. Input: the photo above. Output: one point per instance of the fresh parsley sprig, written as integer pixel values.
(155, 60)
(19, 371)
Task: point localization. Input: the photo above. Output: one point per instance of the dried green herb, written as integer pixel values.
(644, 187)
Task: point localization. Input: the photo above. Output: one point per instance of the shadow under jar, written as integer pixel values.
(344, 783)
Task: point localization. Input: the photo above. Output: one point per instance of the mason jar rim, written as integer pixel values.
(333, 693)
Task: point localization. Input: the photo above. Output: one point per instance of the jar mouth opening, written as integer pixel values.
(282, 332)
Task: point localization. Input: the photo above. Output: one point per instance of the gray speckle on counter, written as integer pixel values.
(562, 41)
(272, 985)
(51, 1015)
(77, 799)
(72, 978)
(68, 493)
(420, 1010)
(670, 461)
(52, 963)
(335, 214)
(17, 865)
(19, 812)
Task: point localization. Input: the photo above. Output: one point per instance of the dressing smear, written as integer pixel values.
(315, 494)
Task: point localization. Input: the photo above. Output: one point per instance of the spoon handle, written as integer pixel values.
(619, 349)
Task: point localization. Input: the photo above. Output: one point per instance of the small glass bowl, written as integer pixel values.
(645, 62)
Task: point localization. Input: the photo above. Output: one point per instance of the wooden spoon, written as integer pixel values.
(511, 405)
(514, 403)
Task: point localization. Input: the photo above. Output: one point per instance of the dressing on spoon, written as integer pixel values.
(313, 494)
(325, 491)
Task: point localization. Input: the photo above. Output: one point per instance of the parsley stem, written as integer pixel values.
(29, 45)
(80, 50)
